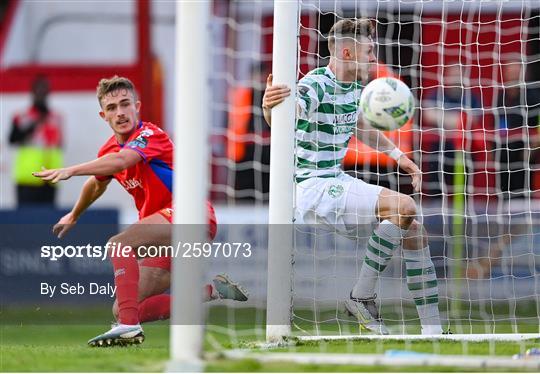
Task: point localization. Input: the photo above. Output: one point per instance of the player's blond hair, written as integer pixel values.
(108, 85)
(349, 28)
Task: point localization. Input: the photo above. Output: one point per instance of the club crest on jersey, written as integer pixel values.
(335, 191)
(303, 90)
(146, 133)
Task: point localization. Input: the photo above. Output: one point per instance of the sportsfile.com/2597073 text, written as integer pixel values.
(182, 249)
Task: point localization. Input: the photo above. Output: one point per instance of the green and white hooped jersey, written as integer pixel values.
(326, 121)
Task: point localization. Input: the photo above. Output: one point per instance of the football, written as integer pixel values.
(387, 104)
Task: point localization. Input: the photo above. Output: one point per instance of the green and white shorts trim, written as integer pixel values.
(341, 203)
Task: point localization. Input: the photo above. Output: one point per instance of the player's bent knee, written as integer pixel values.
(420, 229)
(117, 242)
(416, 237)
(153, 281)
(407, 207)
(114, 240)
(121, 237)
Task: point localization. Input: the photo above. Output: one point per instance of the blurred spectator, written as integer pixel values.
(517, 119)
(3, 7)
(248, 138)
(448, 110)
(37, 134)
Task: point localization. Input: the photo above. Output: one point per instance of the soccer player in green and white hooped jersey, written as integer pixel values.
(327, 116)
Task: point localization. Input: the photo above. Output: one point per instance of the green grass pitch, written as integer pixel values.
(56, 341)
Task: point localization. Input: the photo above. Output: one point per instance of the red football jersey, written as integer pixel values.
(150, 180)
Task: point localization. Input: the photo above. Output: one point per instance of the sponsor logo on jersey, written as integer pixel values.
(335, 190)
(139, 142)
(343, 129)
(345, 118)
(131, 184)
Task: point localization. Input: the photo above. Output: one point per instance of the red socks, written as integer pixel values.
(126, 279)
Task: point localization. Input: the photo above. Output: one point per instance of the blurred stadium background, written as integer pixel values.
(74, 44)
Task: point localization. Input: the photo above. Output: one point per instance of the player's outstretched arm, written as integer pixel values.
(379, 141)
(273, 95)
(373, 138)
(91, 191)
(109, 164)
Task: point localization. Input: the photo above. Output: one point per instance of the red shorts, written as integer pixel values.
(167, 213)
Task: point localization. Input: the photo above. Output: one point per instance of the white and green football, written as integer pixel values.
(387, 104)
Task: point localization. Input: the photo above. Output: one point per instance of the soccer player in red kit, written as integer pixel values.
(139, 156)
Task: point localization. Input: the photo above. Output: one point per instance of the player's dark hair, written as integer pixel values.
(349, 28)
(108, 85)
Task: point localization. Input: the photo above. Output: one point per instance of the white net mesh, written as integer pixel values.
(473, 69)
(467, 67)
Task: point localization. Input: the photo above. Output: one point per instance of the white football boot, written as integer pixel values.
(119, 335)
(366, 312)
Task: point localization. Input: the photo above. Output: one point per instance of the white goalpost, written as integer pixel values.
(191, 159)
(278, 319)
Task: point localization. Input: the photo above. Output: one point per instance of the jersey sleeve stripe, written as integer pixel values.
(141, 153)
(163, 172)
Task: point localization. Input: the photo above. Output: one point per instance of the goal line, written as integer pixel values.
(446, 337)
(393, 358)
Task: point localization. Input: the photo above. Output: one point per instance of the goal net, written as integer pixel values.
(473, 68)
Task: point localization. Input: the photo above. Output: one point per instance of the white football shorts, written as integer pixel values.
(343, 203)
